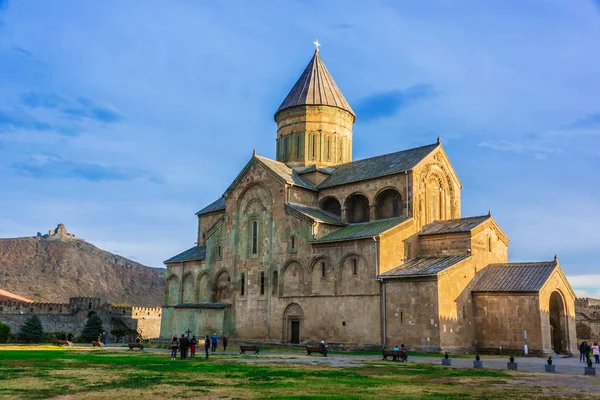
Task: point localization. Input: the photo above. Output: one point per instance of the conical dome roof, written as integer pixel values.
(315, 87)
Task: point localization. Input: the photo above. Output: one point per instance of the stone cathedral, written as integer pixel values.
(316, 246)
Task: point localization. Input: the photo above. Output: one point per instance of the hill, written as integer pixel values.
(54, 267)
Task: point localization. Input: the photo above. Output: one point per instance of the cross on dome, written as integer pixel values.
(317, 44)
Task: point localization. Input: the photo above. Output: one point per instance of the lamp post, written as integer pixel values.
(188, 332)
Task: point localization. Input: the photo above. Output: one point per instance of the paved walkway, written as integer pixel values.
(566, 365)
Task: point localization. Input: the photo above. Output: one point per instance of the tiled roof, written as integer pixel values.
(216, 205)
(362, 230)
(453, 225)
(195, 253)
(8, 296)
(424, 266)
(317, 214)
(315, 87)
(515, 277)
(374, 167)
(286, 173)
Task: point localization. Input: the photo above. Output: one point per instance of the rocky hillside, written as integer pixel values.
(54, 270)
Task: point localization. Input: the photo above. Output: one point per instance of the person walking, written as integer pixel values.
(104, 338)
(183, 347)
(588, 350)
(193, 343)
(224, 340)
(582, 357)
(174, 345)
(596, 351)
(214, 341)
(206, 345)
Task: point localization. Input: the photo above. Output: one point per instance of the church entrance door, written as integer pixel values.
(558, 326)
(295, 332)
(292, 318)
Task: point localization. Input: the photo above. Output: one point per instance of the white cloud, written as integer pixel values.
(585, 281)
(583, 293)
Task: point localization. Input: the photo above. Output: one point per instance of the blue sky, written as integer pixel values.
(122, 119)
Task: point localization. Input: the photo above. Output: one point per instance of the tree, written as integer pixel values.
(31, 330)
(4, 331)
(92, 329)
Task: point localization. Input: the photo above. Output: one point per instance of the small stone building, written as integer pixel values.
(315, 246)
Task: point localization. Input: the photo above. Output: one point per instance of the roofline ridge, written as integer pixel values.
(524, 262)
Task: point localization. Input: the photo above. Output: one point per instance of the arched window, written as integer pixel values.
(357, 208)
(298, 147)
(489, 244)
(293, 243)
(341, 151)
(323, 270)
(262, 283)
(254, 237)
(275, 283)
(388, 204)
(328, 148)
(331, 205)
(354, 267)
(243, 284)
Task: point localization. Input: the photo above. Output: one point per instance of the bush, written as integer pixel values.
(120, 331)
(92, 329)
(31, 330)
(4, 332)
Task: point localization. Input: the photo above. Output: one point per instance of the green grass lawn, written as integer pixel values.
(44, 372)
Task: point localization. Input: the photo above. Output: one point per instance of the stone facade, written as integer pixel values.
(71, 316)
(588, 319)
(370, 252)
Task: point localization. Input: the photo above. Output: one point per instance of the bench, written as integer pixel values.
(245, 348)
(398, 354)
(136, 346)
(316, 349)
(97, 344)
(58, 342)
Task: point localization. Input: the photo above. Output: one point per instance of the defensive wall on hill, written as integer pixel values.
(587, 317)
(71, 316)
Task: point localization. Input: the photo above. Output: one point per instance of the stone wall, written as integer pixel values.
(501, 318)
(587, 312)
(71, 317)
(412, 313)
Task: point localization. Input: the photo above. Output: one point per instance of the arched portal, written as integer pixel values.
(172, 292)
(204, 288)
(332, 206)
(292, 323)
(558, 323)
(223, 291)
(189, 291)
(357, 208)
(388, 204)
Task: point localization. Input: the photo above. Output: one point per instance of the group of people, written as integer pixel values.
(185, 343)
(403, 355)
(584, 352)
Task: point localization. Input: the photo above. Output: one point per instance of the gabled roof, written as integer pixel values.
(453, 225)
(279, 170)
(195, 253)
(216, 205)
(315, 87)
(317, 214)
(424, 266)
(374, 167)
(515, 277)
(362, 230)
(286, 173)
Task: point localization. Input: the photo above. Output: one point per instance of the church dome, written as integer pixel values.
(315, 87)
